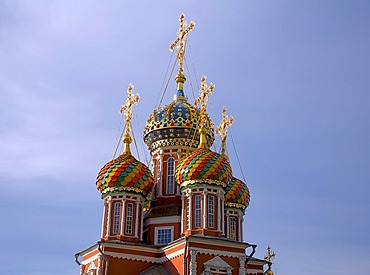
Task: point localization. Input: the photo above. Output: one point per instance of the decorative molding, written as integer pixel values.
(188, 183)
(214, 252)
(145, 258)
(92, 266)
(253, 271)
(91, 259)
(193, 262)
(220, 242)
(242, 270)
(217, 265)
(217, 262)
(100, 265)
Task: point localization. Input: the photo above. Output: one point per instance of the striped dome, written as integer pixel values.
(237, 194)
(176, 124)
(125, 173)
(202, 166)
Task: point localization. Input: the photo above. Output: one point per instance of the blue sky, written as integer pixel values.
(294, 74)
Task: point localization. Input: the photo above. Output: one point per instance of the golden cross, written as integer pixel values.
(203, 97)
(180, 40)
(126, 109)
(270, 254)
(222, 128)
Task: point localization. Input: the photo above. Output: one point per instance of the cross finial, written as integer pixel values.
(203, 98)
(126, 109)
(222, 128)
(180, 43)
(270, 254)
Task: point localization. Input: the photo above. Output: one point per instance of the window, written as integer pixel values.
(233, 228)
(170, 175)
(130, 208)
(163, 234)
(117, 209)
(211, 211)
(198, 210)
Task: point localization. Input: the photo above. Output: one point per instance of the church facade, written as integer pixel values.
(183, 216)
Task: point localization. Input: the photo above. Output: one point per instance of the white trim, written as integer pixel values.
(249, 270)
(182, 214)
(123, 217)
(137, 219)
(205, 209)
(104, 217)
(91, 259)
(219, 242)
(109, 216)
(216, 252)
(218, 211)
(190, 214)
(145, 258)
(160, 220)
(141, 222)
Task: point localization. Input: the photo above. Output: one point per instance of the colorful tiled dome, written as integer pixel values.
(176, 124)
(204, 166)
(237, 194)
(125, 173)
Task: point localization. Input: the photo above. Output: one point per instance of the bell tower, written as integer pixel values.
(124, 183)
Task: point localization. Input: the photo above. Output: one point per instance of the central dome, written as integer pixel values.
(176, 124)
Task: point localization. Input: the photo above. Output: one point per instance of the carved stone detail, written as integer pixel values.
(242, 270)
(193, 262)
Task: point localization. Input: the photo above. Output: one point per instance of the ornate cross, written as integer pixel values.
(180, 40)
(222, 128)
(203, 97)
(126, 109)
(270, 254)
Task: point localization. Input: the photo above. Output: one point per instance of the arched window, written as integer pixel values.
(130, 214)
(233, 228)
(117, 210)
(198, 211)
(211, 211)
(170, 175)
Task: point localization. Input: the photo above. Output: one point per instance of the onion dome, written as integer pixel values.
(125, 173)
(237, 194)
(203, 165)
(176, 124)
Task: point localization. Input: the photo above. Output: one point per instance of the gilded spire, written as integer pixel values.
(202, 100)
(222, 128)
(126, 110)
(270, 254)
(180, 43)
(269, 257)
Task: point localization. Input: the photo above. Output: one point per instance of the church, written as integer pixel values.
(185, 214)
